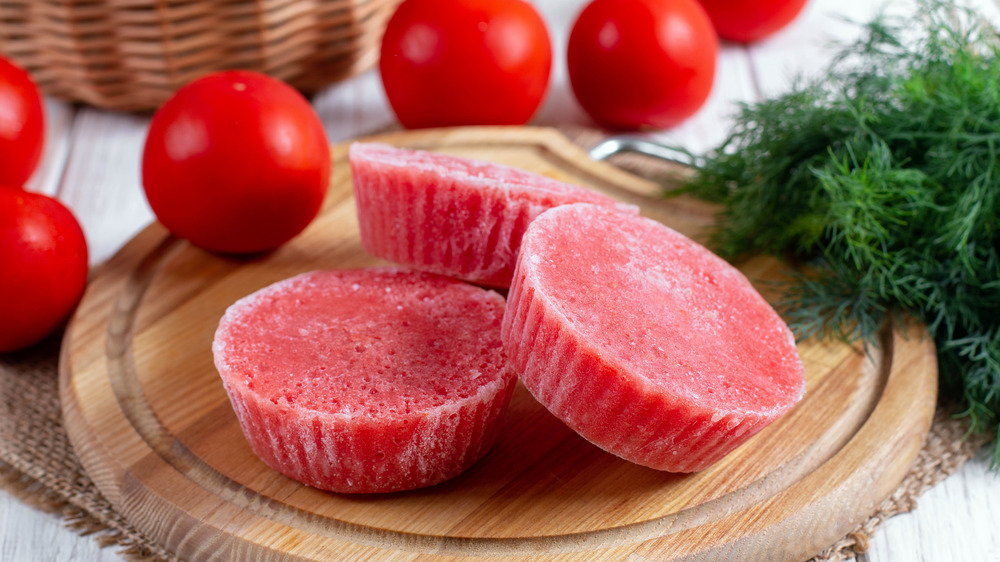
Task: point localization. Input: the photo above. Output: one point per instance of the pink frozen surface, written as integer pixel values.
(370, 380)
(449, 215)
(645, 342)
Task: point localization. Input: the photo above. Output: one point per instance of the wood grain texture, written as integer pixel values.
(149, 417)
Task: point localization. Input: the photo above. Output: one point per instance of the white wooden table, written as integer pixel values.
(92, 160)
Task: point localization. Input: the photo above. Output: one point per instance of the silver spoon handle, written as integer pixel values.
(619, 144)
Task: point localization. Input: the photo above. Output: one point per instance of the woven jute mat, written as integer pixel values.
(38, 464)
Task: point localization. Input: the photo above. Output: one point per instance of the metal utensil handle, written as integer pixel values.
(619, 144)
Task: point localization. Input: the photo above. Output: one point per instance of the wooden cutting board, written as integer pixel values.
(148, 415)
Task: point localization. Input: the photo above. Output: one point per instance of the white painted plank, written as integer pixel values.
(804, 48)
(102, 183)
(354, 108)
(59, 117)
(28, 534)
(559, 106)
(956, 520)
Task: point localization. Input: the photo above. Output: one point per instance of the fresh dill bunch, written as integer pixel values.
(883, 178)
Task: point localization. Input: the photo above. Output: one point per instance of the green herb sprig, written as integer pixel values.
(884, 178)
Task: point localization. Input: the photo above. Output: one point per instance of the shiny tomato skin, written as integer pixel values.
(743, 21)
(43, 266)
(465, 62)
(236, 162)
(642, 63)
(22, 125)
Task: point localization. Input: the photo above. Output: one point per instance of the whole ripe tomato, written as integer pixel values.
(236, 162)
(745, 22)
(465, 62)
(22, 125)
(43, 266)
(635, 63)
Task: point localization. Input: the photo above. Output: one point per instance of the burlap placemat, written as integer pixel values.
(38, 464)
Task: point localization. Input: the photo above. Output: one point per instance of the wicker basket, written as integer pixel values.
(132, 54)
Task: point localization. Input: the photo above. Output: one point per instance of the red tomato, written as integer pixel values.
(744, 21)
(43, 266)
(236, 162)
(22, 125)
(635, 63)
(465, 62)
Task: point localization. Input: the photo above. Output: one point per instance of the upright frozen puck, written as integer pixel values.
(643, 341)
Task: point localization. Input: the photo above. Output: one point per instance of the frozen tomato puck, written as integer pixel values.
(368, 380)
(454, 216)
(643, 341)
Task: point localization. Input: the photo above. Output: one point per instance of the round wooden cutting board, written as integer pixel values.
(148, 415)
